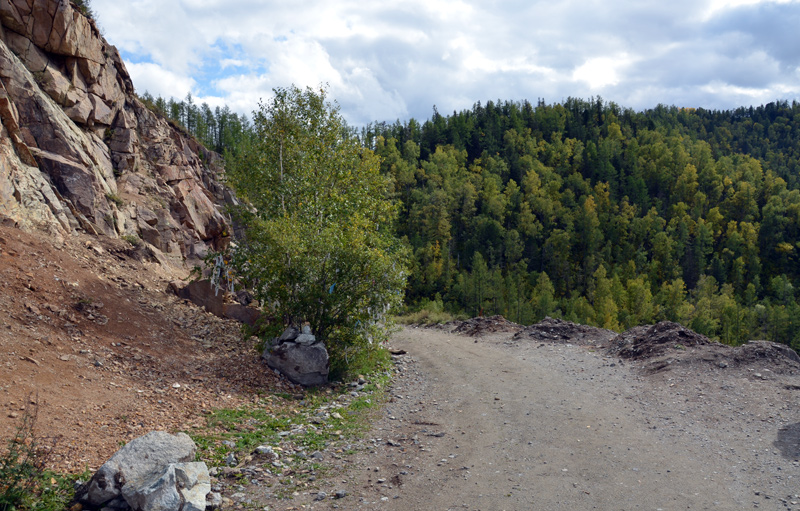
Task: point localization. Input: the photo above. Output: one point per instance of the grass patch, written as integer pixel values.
(427, 312)
(325, 419)
(132, 239)
(116, 199)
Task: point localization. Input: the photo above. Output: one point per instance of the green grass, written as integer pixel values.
(261, 424)
(132, 239)
(116, 199)
(427, 312)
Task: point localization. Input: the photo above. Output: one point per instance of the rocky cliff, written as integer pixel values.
(79, 151)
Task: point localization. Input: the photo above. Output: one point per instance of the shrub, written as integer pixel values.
(318, 243)
(25, 482)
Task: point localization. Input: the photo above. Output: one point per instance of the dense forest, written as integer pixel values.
(591, 212)
(603, 215)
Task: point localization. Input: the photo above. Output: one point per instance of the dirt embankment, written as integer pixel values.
(89, 333)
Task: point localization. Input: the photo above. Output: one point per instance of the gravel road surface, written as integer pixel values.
(494, 424)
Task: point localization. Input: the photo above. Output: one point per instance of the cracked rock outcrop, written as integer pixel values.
(79, 151)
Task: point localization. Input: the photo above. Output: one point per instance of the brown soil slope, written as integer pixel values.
(89, 333)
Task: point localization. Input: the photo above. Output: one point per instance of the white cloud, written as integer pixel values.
(717, 6)
(601, 71)
(158, 81)
(388, 61)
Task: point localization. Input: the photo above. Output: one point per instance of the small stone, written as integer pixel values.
(321, 496)
(264, 449)
(340, 494)
(213, 500)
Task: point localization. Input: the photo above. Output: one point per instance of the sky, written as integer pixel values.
(384, 61)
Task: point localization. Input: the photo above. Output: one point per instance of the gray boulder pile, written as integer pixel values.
(154, 472)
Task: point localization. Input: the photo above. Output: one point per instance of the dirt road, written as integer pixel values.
(492, 424)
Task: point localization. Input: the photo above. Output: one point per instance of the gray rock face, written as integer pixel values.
(135, 466)
(300, 357)
(79, 151)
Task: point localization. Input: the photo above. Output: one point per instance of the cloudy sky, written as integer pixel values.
(396, 60)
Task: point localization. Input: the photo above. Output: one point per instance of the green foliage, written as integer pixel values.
(25, 482)
(116, 199)
(318, 243)
(427, 312)
(600, 214)
(358, 357)
(133, 239)
(85, 7)
(273, 419)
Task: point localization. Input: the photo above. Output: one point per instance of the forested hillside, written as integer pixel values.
(602, 215)
(591, 212)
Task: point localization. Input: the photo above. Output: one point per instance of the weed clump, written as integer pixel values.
(25, 482)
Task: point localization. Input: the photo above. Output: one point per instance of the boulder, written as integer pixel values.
(241, 313)
(194, 484)
(290, 334)
(306, 339)
(136, 465)
(180, 487)
(304, 364)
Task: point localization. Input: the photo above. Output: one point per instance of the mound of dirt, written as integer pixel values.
(560, 331)
(779, 357)
(476, 327)
(669, 344)
(449, 326)
(646, 342)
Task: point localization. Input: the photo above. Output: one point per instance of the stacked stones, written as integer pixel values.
(299, 356)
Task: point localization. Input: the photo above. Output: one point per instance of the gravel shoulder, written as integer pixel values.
(491, 423)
